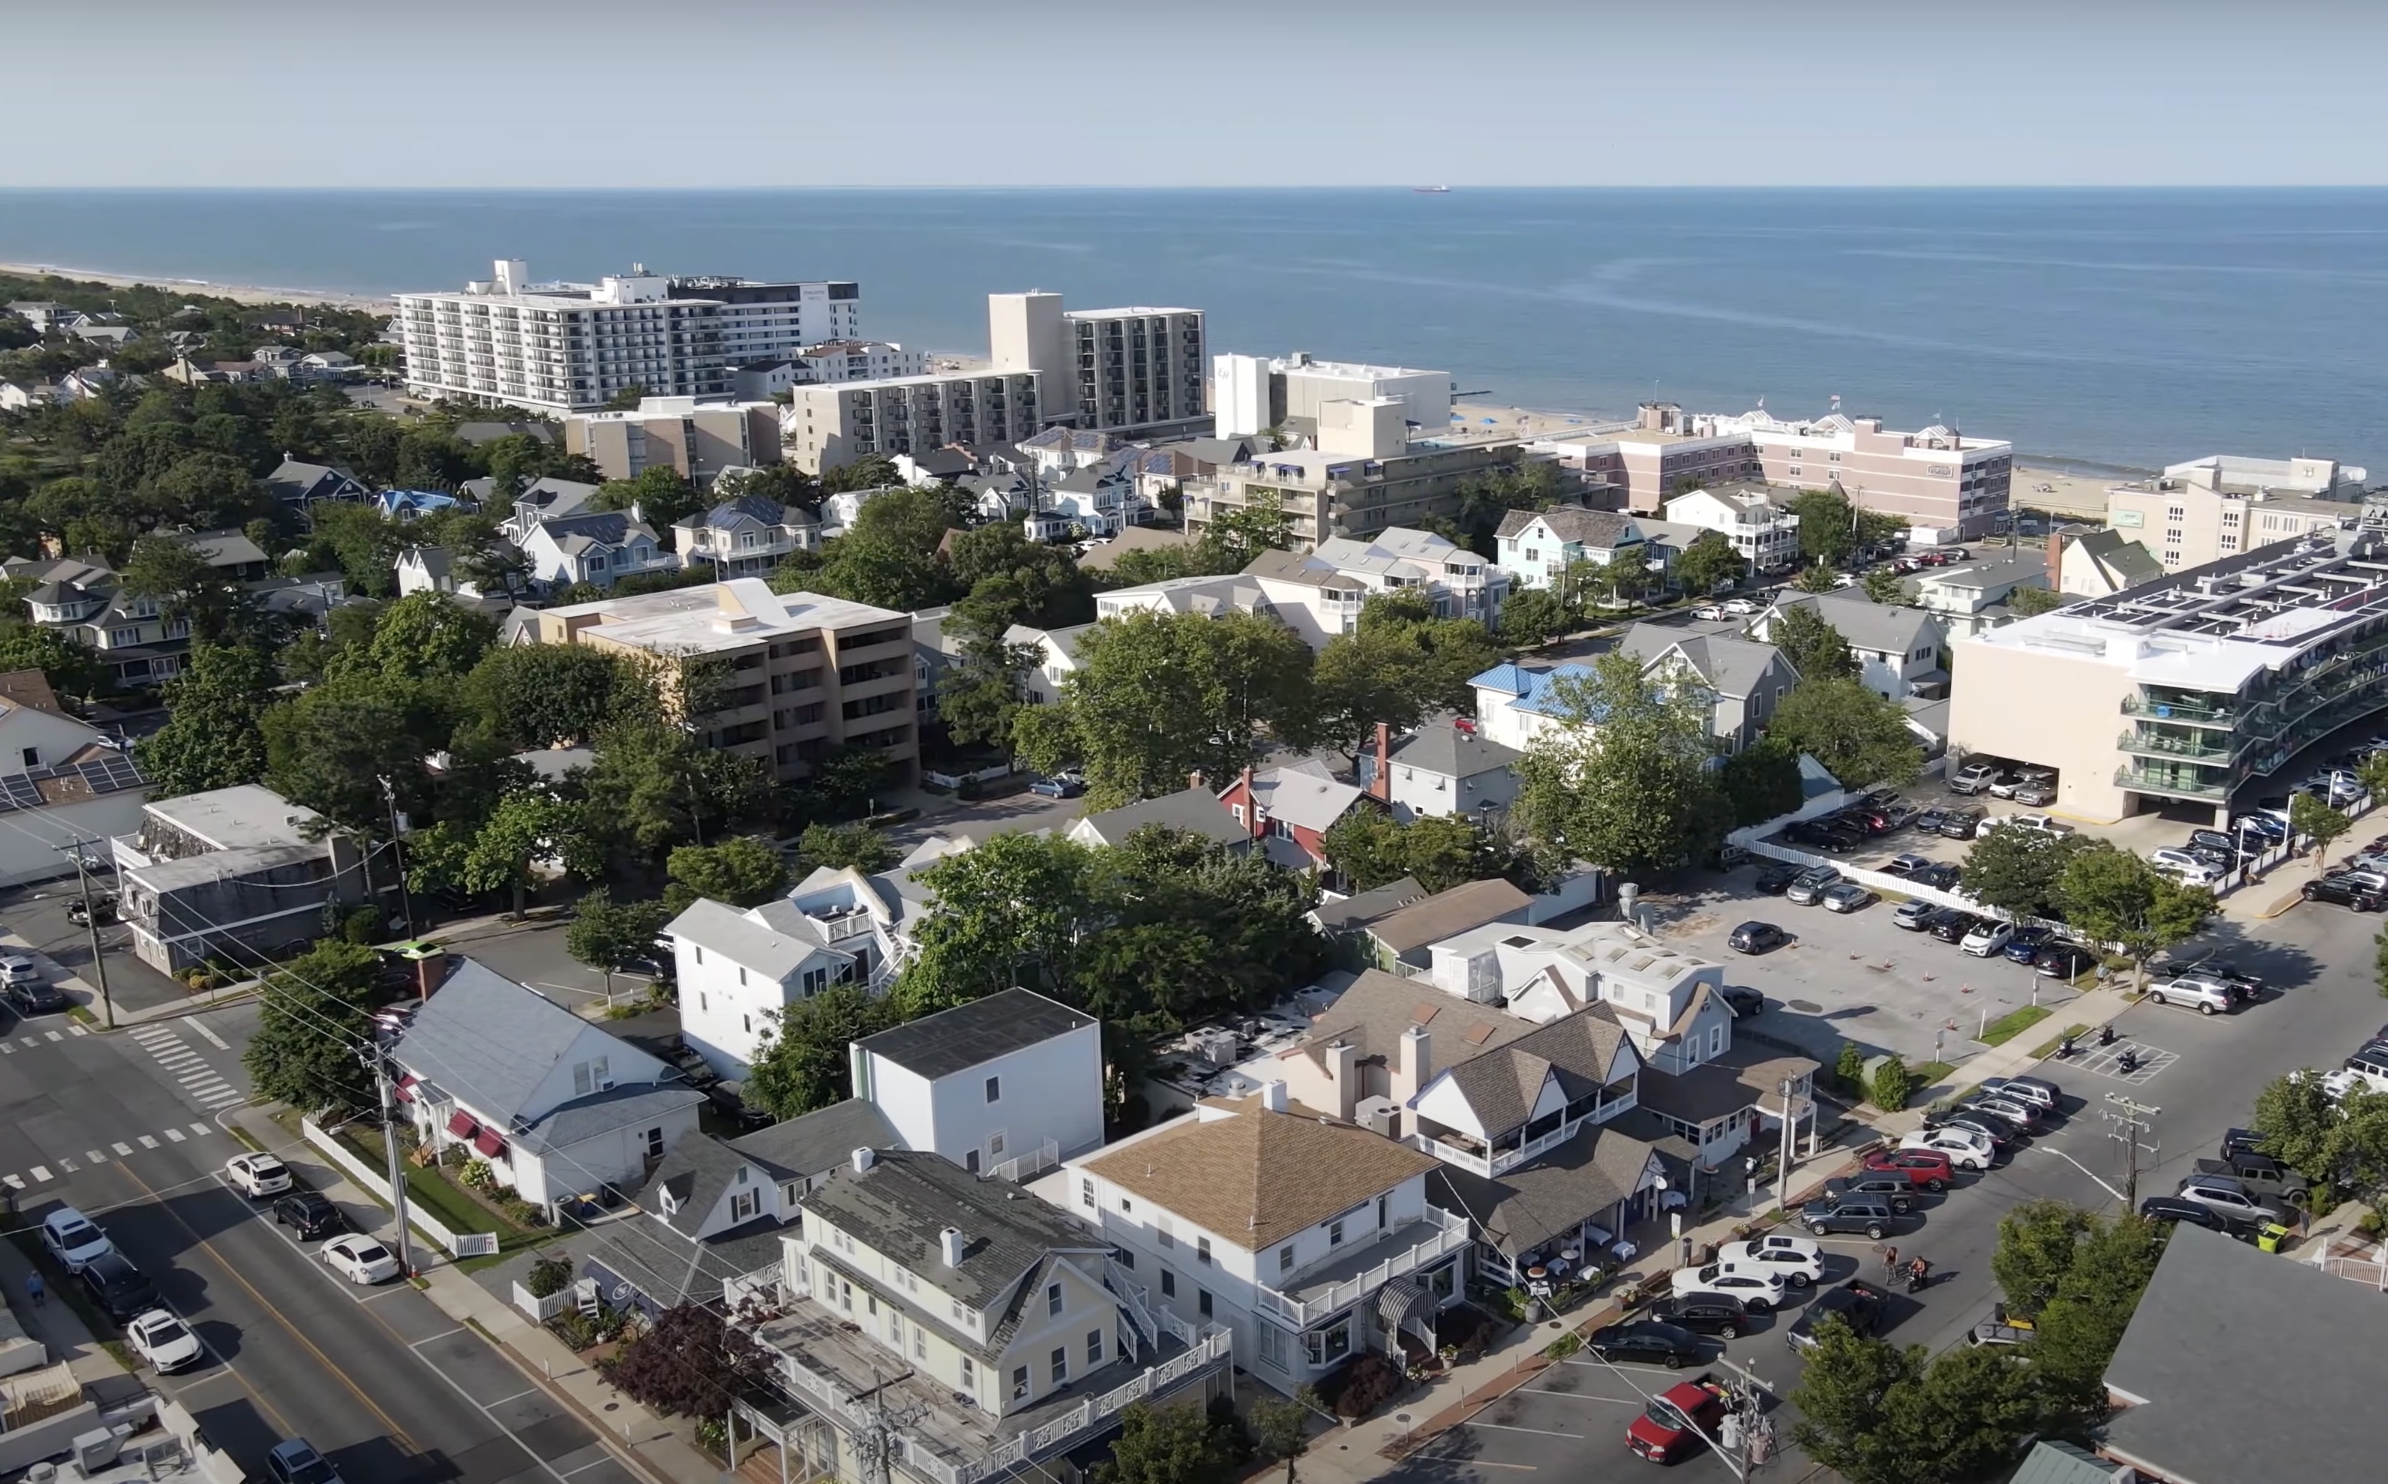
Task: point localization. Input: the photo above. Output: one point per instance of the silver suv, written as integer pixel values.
(2206, 996)
(1809, 886)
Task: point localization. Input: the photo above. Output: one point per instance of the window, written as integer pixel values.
(32, 757)
(907, 1280)
(1094, 1347)
(1168, 1237)
(1329, 1343)
(995, 1144)
(590, 1076)
(1168, 1283)
(745, 1205)
(1384, 1212)
(750, 1023)
(994, 1089)
(843, 1241)
(815, 980)
(655, 1143)
(1126, 1258)
(920, 1343)
(703, 1002)
(1202, 1302)
(895, 1330)
(1285, 1258)
(1716, 1040)
(1272, 1346)
(1052, 1300)
(1060, 1361)
(1202, 1250)
(1086, 1196)
(1019, 1383)
(789, 1194)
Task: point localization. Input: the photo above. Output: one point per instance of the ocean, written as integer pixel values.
(2110, 328)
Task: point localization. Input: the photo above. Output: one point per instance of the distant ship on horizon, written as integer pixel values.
(1432, 190)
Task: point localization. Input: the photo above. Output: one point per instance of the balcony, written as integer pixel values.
(2150, 745)
(2186, 784)
(2224, 714)
(1351, 1277)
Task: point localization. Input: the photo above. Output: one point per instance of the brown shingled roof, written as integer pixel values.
(1256, 1178)
(1447, 914)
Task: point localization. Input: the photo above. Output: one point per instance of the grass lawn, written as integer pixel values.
(2007, 1027)
(445, 1201)
(1930, 1073)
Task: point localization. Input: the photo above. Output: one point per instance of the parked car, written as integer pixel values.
(2005, 784)
(1848, 897)
(1881, 1185)
(1709, 612)
(35, 998)
(1810, 885)
(72, 1240)
(1795, 1260)
(1960, 824)
(1743, 1001)
(1776, 879)
(118, 1288)
(1673, 1426)
(2174, 1208)
(1976, 776)
(1987, 938)
(1655, 1341)
(2039, 822)
(1966, 1121)
(360, 1259)
(2035, 794)
(2017, 1115)
(2064, 961)
(164, 1341)
(1940, 875)
(18, 968)
(1857, 1213)
(1953, 926)
(2349, 891)
(1966, 1149)
(1856, 1303)
(1757, 937)
(2234, 1200)
(295, 1461)
(1915, 914)
(1059, 786)
(1740, 607)
(1906, 865)
(257, 1175)
(1930, 821)
(1932, 1169)
(2025, 941)
(1703, 1313)
(2230, 845)
(2039, 1092)
(1760, 1293)
(309, 1214)
(2202, 995)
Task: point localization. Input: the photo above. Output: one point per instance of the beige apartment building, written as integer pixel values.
(2193, 688)
(828, 427)
(806, 673)
(2202, 511)
(696, 439)
(1137, 371)
(1663, 454)
(1934, 477)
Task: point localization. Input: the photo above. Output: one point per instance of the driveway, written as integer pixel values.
(38, 915)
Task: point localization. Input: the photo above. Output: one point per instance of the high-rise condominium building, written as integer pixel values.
(696, 439)
(572, 347)
(827, 427)
(1134, 371)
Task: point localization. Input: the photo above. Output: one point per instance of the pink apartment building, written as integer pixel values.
(1934, 477)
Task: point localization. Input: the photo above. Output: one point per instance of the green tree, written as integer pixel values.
(608, 935)
(365, 544)
(1859, 738)
(1813, 646)
(177, 576)
(978, 697)
(1877, 1414)
(1892, 1086)
(1440, 850)
(1884, 586)
(803, 1063)
(2029, 602)
(838, 846)
(313, 1015)
(1816, 580)
(1843, 1400)
(2298, 1121)
(214, 711)
(744, 871)
(501, 851)
(1280, 1429)
(2038, 1244)
(651, 787)
(870, 472)
(1533, 616)
(1709, 563)
(429, 636)
(547, 695)
(332, 748)
(659, 494)
(1761, 782)
(2075, 1333)
(1623, 779)
(1157, 696)
(71, 669)
(2318, 822)
(1168, 1444)
(2018, 871)
(888, 557)
(2115, 897)
(1486, 497)
(1399, 666)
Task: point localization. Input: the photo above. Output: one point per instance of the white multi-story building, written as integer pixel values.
(1251, 394)
(1459, 583)
(858, 360)
(828, 427)
(1137, 370)
(1763, 532)
(573, 347)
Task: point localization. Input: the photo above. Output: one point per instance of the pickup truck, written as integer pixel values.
(2001, 1328)
(2263, 1176)
(1675, 1425)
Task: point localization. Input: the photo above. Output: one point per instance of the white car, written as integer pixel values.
(257, 1175)
(1708, 611)
(2205, 996)
(1966, 1150)
(2040, 822)
(16, 968)
(360, 1259)
(73, 1240)
(1760, 1293)
(1988, 938)
(164, 1341)
(2187, 868)
(1796, 1260)
(1740, 606)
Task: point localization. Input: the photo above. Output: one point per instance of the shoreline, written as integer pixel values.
(239, 293)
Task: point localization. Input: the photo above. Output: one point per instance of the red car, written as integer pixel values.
(1926, 1167)
(1676, 1423)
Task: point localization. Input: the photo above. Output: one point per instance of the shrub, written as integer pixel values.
(1369, 1380)
(1564, 1346)
(1892, 1085)
(2370, 1225)
(478, 1176)
(363, 927)
(713, 1436)
(2322, 1199)
(549, 1275)
(1851, 1068)
(578, 1331)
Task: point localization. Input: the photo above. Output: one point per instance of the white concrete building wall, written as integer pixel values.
(727, 1010)
(1052, 1090)
(1239, 395)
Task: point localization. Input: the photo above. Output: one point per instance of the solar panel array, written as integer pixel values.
(112, 773)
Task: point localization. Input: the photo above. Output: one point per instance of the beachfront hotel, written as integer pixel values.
(1139, 372)
(572, 347)
(827, 427)
(1252, 394)
(2187, 689)
(2210, 508)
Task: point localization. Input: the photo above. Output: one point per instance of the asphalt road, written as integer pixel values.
(2201, 1074)
(125, 1127)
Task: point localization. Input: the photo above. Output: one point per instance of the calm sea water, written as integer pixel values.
(2132, 328)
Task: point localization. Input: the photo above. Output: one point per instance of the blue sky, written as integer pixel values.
(725, 93)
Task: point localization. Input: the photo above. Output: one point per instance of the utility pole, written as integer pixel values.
(378, 1059)
(99, 965)
(406, 900)
(2130, 1122)
(1782, 1169)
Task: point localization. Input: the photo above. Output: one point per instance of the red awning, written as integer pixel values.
(405, 1090)
(460, 1123)
(490, 1142)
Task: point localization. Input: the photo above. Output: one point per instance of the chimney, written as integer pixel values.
(863, 1159)
(2056, 558)
(950, 1242)
(1194, 779)
(1343, 1069)
(1417, 1063)
(1272, 1095)
(1381, 786)
(1252, 806)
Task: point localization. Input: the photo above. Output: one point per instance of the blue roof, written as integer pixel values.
(1510, 678)
(1533, 689)
(1814, 782)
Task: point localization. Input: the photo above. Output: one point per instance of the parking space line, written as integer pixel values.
(7, 1048)
(41, 1174)
(1539, 1431)
(1614, 1401)
(427, 1339)
(518, 1396)
(598, 1438)
(53, 1035)
(93, 1156)
(584, 1468)
(174, 1136)
(203, 1129)
(77, 1030)
(13, 1182)
(67, 1166)
(121, 1149)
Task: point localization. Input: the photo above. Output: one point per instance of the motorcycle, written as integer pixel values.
(2106, 1035)
(2127, 1059)
(1919, 1276)
(2064, 1049)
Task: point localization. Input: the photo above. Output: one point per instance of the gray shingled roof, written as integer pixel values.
(1502, 1084)
(969, 1034)
(1471, 904)
(1446, 750)
(1602, 529)
(1865, 623)
(2213, 1304)
(901, 1204)
(1362, 908)
(1732, 666)
(629, 1105)
(488, 1041)
(1576, 1182)
(770, 949)
(813, 1143)
(1194, 809)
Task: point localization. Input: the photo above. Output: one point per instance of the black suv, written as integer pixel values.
(1860, 1304)
(1960, 824)
(2173, 1208)
(118, 1287)
(1718, 1314)
(1854, 1213)
(1951, 925)
(1652, 1343)
(309, 1214)
(2346, 891)
(1875, 1185)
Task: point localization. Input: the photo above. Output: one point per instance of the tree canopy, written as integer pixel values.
(1400, 665)
(2113, 896)
(1623, 777)
(2020, 871)
(1858, 737)
(1813, 646)
(1440, 850)
(1709, 563)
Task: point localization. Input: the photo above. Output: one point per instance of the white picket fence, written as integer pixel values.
(956, 780)
(455, 1244)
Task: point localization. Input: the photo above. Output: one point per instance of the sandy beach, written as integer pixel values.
(243, 293)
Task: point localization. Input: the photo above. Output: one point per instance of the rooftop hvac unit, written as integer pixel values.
(1378, 1115)
(1218, 1048)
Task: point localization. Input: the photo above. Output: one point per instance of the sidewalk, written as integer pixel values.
(658, 1449)
(56, 1325)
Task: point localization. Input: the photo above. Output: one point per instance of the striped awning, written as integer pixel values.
(1405, 1304)
(405, 1090)
(461, 1124)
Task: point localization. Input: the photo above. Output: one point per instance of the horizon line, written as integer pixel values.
(1409, 187)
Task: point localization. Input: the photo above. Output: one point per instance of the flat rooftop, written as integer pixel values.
(722, 615)
(240, 817)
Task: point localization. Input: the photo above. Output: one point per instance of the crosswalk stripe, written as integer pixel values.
(93, 1156)
(180, 1059)
(77, 1030)
(187, 1078)
(8, 1048)
(121, 1149)
(219, 1099)
(174, 1135)
(207, 1034)
(30, 1041)
(149, 1033)
(203, 1128)
(41, 1173)
(149, 1141)
(53, 1035)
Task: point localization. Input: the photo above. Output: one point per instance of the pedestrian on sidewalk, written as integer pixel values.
(35, 1291)
(1890, 1264)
